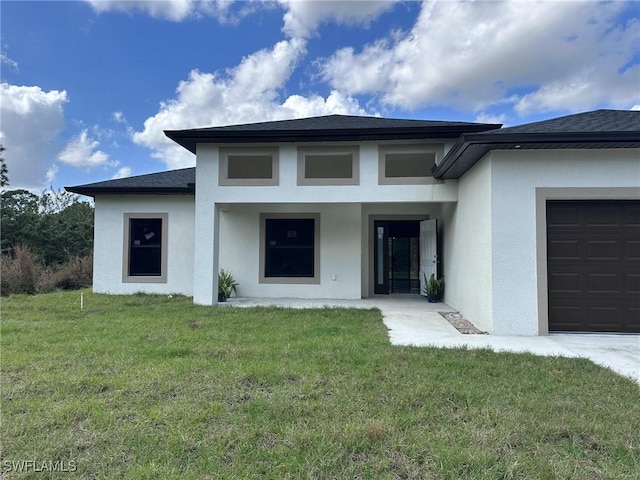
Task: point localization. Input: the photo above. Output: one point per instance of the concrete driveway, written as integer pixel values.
(411, 320)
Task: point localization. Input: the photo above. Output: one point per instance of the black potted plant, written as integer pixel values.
(434, 288)
(226, 285)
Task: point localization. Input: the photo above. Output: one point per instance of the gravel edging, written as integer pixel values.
(461, 324)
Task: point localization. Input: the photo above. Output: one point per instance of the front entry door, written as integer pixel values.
(396, 256)
(428, 252)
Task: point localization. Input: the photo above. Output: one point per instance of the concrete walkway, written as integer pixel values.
(411, 320)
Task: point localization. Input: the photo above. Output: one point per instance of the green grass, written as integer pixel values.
(155, 387)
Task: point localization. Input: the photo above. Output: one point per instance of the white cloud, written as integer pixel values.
(119, 117)
(5, 60)
(122, 173)
(250, 92)
(31, 119)
(173, 10)
(635, 107)
(582, 91)
(82, 152)
(303, 16)
(297, 106)
(541, 56)
(484, 117)
(52, 171)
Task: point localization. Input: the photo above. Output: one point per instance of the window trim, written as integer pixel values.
(383, 150)
(354, 151)
(315, 280)
(126, 252)
(223, 166)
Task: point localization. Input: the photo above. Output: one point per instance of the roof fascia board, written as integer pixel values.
(92, 192)
(190, 138)
(493, 141)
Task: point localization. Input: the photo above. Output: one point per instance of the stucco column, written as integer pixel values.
(206, 253)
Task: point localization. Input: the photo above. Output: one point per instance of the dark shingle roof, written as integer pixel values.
(597, 129)
(180, 181)
(334, 122)
(600, 121)
(326, 128)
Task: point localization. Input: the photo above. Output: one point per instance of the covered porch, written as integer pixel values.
(346, 251)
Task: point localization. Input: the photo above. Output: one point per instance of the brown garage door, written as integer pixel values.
(593, 262)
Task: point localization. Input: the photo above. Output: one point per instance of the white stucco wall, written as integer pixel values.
(339, 250)
(467, 247)
(368, 189)
(237, 209)
(515, 177)
(109, 242)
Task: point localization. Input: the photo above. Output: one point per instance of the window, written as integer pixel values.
(145, 242)
(407, 164)
(328, 166)
(289, 251)
(248, 166)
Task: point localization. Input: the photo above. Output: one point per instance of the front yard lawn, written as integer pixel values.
(155, 387)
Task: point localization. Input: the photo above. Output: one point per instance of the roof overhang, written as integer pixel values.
(189, 139)
(90, 191)
(471, 147)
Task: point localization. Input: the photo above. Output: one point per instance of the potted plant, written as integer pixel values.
(434, 288)
(226, 285)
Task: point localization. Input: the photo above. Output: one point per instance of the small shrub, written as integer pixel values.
(434, 287)
(226, 283)
(23, 272)
(72, 275)
(20, 271)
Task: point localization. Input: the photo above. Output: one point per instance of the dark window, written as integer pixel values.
(250, 166)
(328, 166)
(289, 248)
(409, 164)
(145, 247)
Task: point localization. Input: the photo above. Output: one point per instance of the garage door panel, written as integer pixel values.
(632, 250)
(633, 313)
(603, 250)
(632, 283)
(564, 249)
(631, 216)
(602, 216)
(603, 319)
(563, 216)
(564, 282)
(574, 319)
(603, 283)
(565, 317)
(593, 264)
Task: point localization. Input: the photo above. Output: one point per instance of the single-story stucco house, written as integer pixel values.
(535, 227)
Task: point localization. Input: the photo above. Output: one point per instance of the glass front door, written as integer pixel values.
(397, 256)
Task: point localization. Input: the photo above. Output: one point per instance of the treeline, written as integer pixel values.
(46, 241)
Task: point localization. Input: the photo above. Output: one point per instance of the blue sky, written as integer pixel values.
(89, 86)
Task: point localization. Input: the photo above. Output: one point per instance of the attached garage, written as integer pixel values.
(593, 265)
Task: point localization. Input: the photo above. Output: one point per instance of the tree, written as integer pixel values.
(67, 233)
(55, 201)
(4, 171)
(56, 226)
(19, 219)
